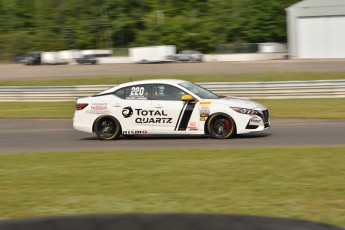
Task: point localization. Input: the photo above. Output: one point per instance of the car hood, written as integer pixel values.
(239, 102)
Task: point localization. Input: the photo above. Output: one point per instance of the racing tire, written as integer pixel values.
(221, 126)
(107, 128)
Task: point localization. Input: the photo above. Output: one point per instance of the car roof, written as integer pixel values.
(152, 81)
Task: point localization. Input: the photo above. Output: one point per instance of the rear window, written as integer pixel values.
(120, 93)
(135, 92)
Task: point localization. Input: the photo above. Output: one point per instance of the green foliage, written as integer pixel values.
(189, 24)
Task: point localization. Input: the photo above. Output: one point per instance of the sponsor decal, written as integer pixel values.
(205, 110)
(155, 120)
(134, 97)
(205, 103)
(156, 116)
(147, 116)
(127, 112)
(192, 126)
(97, 111)
(98, 108)
(134, 132)
(141, 112)
(254, 121)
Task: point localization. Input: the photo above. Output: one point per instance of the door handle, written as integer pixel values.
(117, 105)
(158, 107)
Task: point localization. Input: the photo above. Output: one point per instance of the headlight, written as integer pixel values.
(245, 111)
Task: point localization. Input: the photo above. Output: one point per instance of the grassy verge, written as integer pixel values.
(296, 108)
(37, 109)
(241, 77)
(304, 183)
(307, 108)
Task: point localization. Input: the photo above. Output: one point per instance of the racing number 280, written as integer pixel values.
(137, 91)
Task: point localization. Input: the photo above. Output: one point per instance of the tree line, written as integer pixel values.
(50, 25)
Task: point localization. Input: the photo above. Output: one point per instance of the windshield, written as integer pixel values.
(199, 91)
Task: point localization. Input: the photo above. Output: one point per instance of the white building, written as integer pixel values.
(316, 29)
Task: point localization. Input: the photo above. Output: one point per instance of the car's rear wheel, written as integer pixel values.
(107, 128)
(221, 126)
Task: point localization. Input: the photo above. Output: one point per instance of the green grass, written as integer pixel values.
(111, 80)
(307, 108)
(305, 183)
(287, 108)
(37, 109)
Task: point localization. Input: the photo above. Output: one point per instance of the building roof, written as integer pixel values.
(317, 3)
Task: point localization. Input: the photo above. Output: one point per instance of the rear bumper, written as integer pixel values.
(80, 125)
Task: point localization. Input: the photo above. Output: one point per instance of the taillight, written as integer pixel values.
(80, 106)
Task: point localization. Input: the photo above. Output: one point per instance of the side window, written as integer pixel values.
(137, 92)
(120, 93)
(167, 92)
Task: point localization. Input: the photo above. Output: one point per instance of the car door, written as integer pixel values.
(132, 105)
(173, 114)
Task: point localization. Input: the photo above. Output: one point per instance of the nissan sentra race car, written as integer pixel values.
(167, 107)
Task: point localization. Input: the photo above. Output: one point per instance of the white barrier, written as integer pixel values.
(244, 57)
(254, 90)
(208, 57)
(111, 60)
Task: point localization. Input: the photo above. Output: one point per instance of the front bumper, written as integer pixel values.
(265, 116)
(253, 123)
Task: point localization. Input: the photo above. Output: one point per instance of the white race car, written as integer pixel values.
(167, 107)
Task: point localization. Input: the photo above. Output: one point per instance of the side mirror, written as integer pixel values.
(187, 98)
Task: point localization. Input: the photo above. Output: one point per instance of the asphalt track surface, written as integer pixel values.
(19, 71)
(30, 135)
(57, 135)
(163, 221)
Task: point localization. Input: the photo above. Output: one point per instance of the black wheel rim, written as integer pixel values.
(106, 128)
(221, 126)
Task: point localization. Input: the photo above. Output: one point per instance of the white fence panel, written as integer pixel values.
(253, 90)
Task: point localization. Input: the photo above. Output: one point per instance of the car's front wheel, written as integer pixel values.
(107, 128)
(221, 126)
